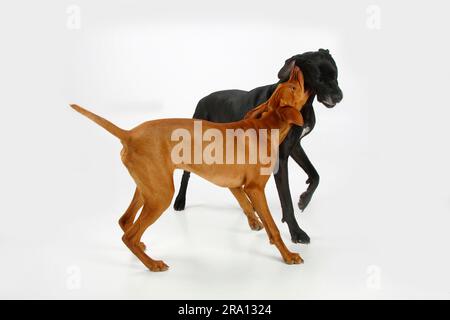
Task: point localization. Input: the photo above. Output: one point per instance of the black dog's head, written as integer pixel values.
(320, 73)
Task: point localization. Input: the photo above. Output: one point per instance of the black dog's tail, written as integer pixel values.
(107, 125)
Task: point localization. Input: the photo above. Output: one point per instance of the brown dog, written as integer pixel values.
(148, 154)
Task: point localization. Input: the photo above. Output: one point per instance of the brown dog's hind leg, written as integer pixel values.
(258, 199)
(126, 221)
(247, 207)
(155, 203)
(133, 236)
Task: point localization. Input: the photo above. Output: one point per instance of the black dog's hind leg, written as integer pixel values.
(299, 155)
(180, 201)
(282, 183)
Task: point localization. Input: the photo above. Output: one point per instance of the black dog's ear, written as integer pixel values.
(285, 72)
(324, 50)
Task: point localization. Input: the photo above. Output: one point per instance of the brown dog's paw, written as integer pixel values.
(293, 258)
(255, 224)
(157, 266)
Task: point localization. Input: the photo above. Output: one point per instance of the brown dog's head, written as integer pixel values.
(290, 94)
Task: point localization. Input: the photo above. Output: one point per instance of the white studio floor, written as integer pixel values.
(75, 251)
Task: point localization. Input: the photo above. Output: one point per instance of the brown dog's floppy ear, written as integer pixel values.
(291, 116)
(297, 75)
(285, 72)
(256, 113)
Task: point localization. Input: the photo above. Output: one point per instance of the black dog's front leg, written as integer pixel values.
(282, 183)
(299, 155)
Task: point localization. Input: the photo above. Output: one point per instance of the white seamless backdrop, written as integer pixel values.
(378, 221)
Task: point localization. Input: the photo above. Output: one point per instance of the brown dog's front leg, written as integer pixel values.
(247, 207)
(259, 202)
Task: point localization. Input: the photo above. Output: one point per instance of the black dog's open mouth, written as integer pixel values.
(327, 102)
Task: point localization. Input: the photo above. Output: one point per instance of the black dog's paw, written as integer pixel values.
(300, 236)
(179, 204)
(305, 198)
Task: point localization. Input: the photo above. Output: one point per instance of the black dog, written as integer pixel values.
(320, 73)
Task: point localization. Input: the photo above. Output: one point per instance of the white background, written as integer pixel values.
(379, 221)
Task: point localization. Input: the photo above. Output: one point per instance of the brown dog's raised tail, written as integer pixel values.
(107, 125)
